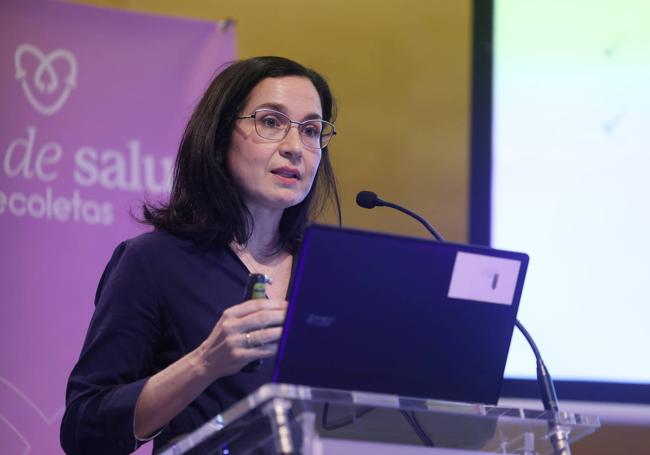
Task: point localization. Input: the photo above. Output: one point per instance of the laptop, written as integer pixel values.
(382, 313)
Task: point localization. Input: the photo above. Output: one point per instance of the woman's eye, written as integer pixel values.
(270, 121)
(311, 130)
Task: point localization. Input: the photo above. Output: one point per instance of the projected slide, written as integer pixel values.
(571, 181)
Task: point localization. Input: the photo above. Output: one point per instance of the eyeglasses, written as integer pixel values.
(275, 126)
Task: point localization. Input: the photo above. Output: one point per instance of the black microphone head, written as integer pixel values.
(367, 199)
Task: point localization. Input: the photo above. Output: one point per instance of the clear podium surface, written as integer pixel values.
(290, 419)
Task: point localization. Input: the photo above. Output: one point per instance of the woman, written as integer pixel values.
(170, 333)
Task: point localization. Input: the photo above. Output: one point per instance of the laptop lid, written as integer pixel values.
(399, 315)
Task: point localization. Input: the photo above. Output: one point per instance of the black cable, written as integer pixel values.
(419, 431)
(344, 421)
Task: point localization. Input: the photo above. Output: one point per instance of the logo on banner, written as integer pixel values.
(46, 89)
(47, 80)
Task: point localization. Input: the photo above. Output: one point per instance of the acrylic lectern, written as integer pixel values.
(290, 419)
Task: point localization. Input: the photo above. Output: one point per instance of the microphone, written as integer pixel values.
(369, 200)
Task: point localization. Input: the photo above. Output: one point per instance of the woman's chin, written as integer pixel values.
(288, 198)
(277, 201)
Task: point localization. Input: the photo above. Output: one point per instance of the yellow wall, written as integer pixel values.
(400, 72)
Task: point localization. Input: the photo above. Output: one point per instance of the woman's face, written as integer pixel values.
(275, 174)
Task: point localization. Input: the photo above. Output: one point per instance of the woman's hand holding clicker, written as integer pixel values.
(245, 332)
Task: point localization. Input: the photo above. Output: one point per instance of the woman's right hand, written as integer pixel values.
(224, 352)
(245, 332)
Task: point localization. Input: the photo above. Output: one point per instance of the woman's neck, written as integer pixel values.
(264, 238)
(260, 254)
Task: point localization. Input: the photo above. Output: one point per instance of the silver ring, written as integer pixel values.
(249, 344)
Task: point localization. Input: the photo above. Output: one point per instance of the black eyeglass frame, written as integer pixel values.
(292, 122)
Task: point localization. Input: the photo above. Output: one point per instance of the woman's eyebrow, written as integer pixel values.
(282, 108)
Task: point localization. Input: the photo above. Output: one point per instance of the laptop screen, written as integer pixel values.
(398, 315)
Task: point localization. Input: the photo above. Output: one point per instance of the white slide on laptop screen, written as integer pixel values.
(483, 278)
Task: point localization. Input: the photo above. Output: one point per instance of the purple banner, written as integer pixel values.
(93, 104)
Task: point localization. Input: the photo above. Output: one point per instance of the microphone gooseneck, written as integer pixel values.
(544, 380)
(369, 200)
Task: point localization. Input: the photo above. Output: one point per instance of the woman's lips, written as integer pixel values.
(286, 174)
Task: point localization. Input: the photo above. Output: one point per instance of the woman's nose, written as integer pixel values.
(292, 143)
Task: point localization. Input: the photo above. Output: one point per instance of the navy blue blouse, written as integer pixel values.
(158, 299)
